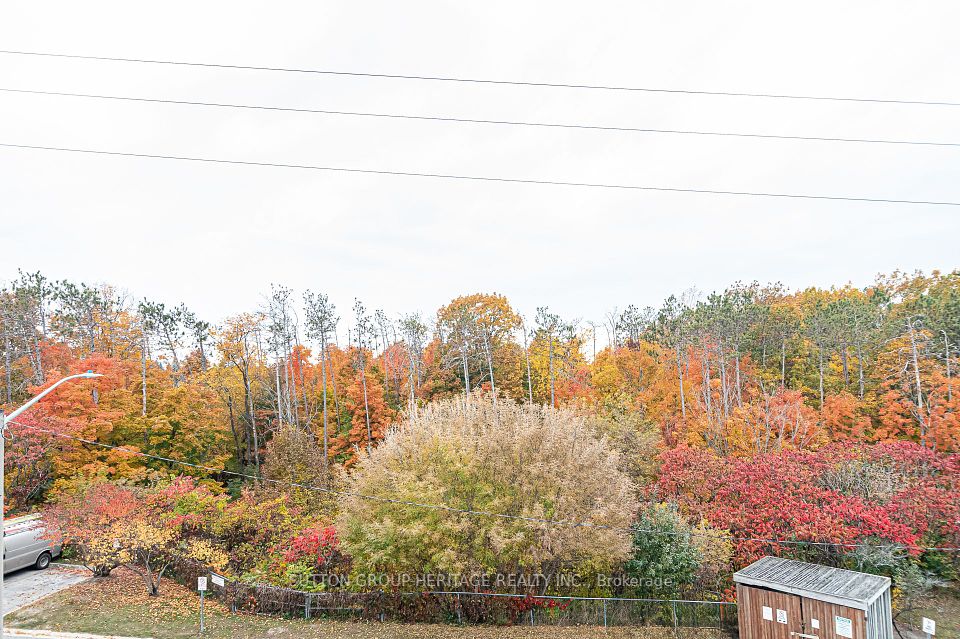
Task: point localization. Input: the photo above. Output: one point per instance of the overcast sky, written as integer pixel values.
(216, 236)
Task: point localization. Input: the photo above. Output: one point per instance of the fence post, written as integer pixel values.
(306, 606)
(676, 624)
(459, 610)
(531, 616)
(604, 613)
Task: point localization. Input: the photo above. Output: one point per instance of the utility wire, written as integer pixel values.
(434, 78)
(554, 125)
(480, 513)
(480, 178)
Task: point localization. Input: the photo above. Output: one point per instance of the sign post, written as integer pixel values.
(202, 587)
(929, 627)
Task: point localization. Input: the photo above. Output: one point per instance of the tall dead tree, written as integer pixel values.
(414, 333)
(526, 358)
(321, 319)
(365, 334)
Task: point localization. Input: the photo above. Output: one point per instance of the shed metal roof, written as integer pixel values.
(835, 585)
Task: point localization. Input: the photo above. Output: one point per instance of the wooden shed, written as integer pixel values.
(786, 599)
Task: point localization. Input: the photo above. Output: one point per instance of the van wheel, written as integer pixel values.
(43, 561)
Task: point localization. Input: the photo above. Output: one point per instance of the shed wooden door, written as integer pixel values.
(832, 621)
(765, 614)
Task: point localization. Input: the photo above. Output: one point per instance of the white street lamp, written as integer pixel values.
(3, 434)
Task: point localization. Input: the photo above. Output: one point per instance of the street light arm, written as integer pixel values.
(3, 423)
(87, 375)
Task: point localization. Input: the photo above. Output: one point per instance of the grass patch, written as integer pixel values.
(119, 605)
(943, 607)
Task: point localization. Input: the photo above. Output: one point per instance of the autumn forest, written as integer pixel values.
(311, 437)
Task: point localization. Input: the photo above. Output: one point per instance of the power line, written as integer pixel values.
(556, 125)
(465, 511)
(480, 178)
(434, 78)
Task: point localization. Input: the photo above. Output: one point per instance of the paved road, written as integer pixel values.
(23, 587)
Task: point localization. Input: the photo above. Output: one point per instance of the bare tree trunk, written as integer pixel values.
(725, 391)
(174, 358)
(256, 447)
(233, 427)
(386, 367)
(707, 391)
(43, 316)
(783, 362)
(683, 402)
(419, 380)
(253, 450)
(396, 369)
(37, 359)
(303, 391)
(290, 390)
(326, 437)
(413, 403)
(279, 397)
(553, 402)
(916, 372)
(860, 380)
(489, 357)
(366, 406)
(252, 442)
(143, 375)
(846, 368)
(336, 396)
(739, 394)
(526, 357)
(820, 371)
(248, 409)
(6, 363)
(466, 373)
(946, 344)
(92, 330)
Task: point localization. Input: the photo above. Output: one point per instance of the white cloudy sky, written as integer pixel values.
(216, 236)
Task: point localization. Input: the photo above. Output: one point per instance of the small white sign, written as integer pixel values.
(929, 626)
(781, 616)
(217, 580)
(767, 613)
(201, 583)
(815, 624)
(843, 626)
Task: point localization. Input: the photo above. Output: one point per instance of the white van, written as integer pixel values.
(26, 544)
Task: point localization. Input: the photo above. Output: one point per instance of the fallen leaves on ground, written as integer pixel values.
(124, 588)
(120, 604)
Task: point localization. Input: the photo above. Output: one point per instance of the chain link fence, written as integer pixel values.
(474, 607)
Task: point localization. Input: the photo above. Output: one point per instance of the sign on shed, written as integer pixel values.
(786, 599)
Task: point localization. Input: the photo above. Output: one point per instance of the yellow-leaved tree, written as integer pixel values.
(527, 465)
